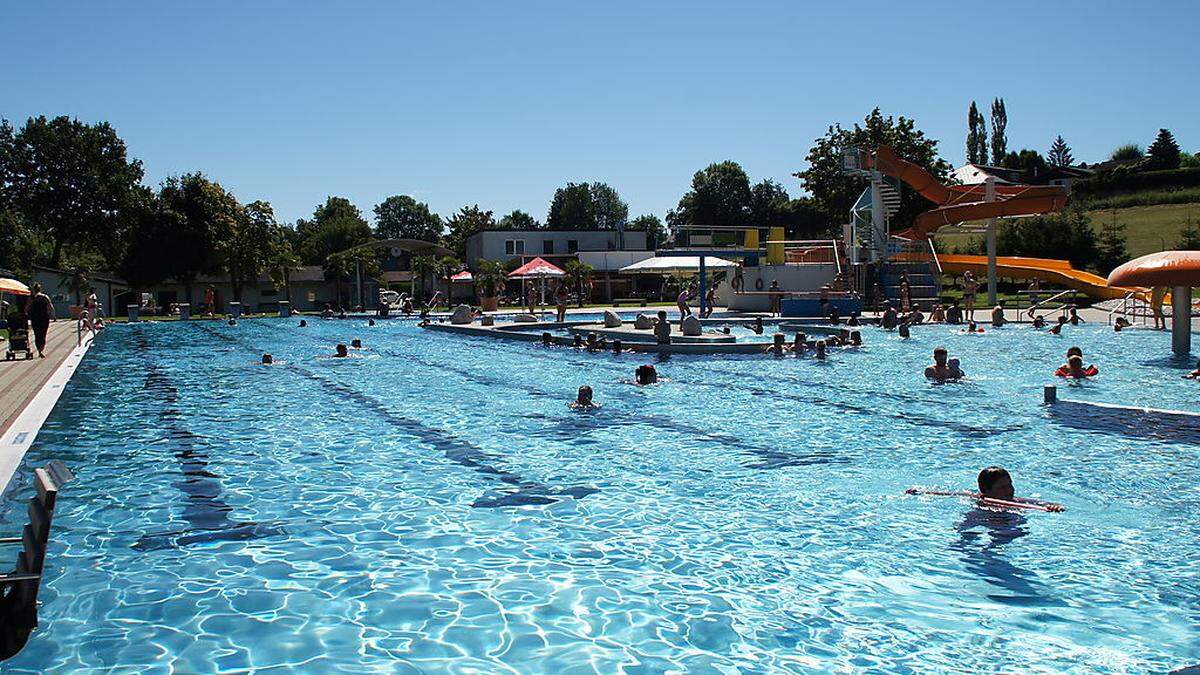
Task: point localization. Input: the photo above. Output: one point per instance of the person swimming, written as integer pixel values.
(1057, 329)
(972, 327)
(941, 370)
(853, 321)
(646, 374)
(998, 319)
(232, 321)
(370, 322)
(820, 352)
(303, 323)
(327, 313)
(341, 351)
(890, 319)
(1039, 321)
(617, 347)
(267, 359)
(1121, 324)
(757, 326)
(995, 490)
(578, 342)
(592, 345)
(903, 330)
(835, 317)
(583, 399)
(356, 343)
(1073, 368)
(856, 338)
(954, 314)
(1195, 374)
(1075, 318)
(547, 340)
(800, 344)
(778, 345)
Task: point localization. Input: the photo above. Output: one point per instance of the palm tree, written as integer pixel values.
(422, 266)
(579, 274)
(77, 282)
(447, 267)
(280, 266)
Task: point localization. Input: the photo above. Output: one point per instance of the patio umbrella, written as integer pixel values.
(463, 277)
(676, 265)
(13, 286)
(537, 269)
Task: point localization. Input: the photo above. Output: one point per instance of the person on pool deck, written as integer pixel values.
(662, 329)
(341, 351)
(646, 374)
(940, 370)
(267, 359)
(710, 300)
(1034, 287)
(905, 292)
(560, 302)
(903, 331)
(969, 286)
(583, 399)
(954, 314)
(40, 310)
(1057, 330)
(998, 319)
(1075, 318)
(890, 319)
(681, 301)
(776, 297)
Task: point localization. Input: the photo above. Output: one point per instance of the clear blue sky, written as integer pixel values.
(499, 103)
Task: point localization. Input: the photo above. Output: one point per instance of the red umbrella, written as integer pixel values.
(462, 277)
(536, 269)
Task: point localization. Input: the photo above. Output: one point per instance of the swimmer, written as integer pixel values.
(800, 344)
(592, 345)
(853, 320)
(646, 374)
(578, 343)
(1121, 324)
(342, 314)
(778, 345)
(954, 314)
(1039, 321)
(1075, 318)
(547, 340)
(856, 338)
(996, 490)
(370, 322)
(342, 352)
(889, 319)
(916, 316)
(617, 349)
(356, 343)
(267, 359)
(327, 313)
(998, 319)
(1195, 374)
(757, 326)
(1074, 369)
(834, 316)
(940, 370)
(725, 330)
(232, 321)
(1057, 330)
(820, 352)
(972, 327)
(903, 331)
(303, 323)
(583, 399)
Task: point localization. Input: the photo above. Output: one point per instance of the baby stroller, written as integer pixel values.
(18, 337)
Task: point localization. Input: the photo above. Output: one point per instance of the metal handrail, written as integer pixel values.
(933, 252)
(1053, 298)
(837, 255)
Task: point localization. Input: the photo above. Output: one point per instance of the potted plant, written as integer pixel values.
(489, 279)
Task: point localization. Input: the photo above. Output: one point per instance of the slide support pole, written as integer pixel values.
(1181, 320)
(990, 195)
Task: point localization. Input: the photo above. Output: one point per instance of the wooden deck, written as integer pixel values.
(20, 380)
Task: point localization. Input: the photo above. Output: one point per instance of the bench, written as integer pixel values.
(19, 588)
(630, 301)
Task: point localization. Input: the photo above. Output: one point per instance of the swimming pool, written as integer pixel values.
(434, 506)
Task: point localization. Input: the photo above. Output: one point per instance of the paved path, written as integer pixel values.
(20, 380)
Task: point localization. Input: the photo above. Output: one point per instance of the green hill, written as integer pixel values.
(1149, 228)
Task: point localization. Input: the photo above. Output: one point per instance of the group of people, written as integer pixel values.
(646, 374)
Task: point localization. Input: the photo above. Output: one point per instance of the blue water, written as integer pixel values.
(432, 505)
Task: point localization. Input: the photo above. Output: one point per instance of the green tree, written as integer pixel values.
(161, 244)
(1111, 246)
(977, 145)
(402, 217)
(656, 234)
(489, 277)
(720, 197)
(422, 267)
(999, 125)
(248, 250)
(1127, 152)
(336, 225)
(71, 181)
(281, 262)
(1029, 161)
(1061, 235)
(468, 221)
(343, 266)
(579, 274)
(835, 192)
(1060, 153)
(768, 203)
(19, 244)
(1189, 236)
(1164, 151)
(448, 266)
(586, 206)
(210, 217)
(518, 220)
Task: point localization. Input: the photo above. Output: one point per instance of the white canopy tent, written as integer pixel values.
(677, 265)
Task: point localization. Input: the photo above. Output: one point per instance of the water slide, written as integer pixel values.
(962, 203)
(1057, 272)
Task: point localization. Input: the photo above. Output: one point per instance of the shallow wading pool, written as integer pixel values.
(433, 505)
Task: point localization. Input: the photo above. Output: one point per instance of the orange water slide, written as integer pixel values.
(1050, 270)
(962, 203)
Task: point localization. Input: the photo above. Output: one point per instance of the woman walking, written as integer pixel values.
(41, 312)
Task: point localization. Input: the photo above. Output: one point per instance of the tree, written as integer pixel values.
(1029, 161)
(1164, 151)
(358, 262)
(248, 250)
(1127, 152)
(422, 266)
(209, 218)
(977, 146)
(402, 217)
(656, 234)
(489, 277)
(720, 197)
(448, 266)
(835, 192)
(1111, 246)
(999, 124)
(1060, 153)
(19, 244)
(281, 262)
(336, 226)
(579, 275)
(518, 220)
(586, 206)
(468, 221)
(1061, 235)
(71, 181)
(768, 203)
(159, 244)
(77, 282)
(1189, 236)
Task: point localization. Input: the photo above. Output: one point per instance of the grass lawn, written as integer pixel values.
(1149, 228)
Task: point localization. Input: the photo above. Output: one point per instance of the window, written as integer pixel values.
(548, 247)
(514, 247)
(572, 245)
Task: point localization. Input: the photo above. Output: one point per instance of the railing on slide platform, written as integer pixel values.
(1131, 305)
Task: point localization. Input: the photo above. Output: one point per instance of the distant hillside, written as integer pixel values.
(1149, 228)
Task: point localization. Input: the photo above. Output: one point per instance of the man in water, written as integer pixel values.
(356, 343)
(940, 370)
(1057, 330)
(800, 344)
(1039, 321)
(890, 319)
(998, 319)
(583, 399)
(662, 329)
(903, 330)
(547, 340)
(954, 314)
(341, 351)
(1075, 318)
(757, 326)
(646, 374)
(267, 359)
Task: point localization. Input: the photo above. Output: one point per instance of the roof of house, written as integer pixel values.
(549, 231)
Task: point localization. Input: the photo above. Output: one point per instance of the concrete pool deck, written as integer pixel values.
(29, 390)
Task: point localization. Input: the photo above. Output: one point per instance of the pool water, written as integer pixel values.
(432, 505)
